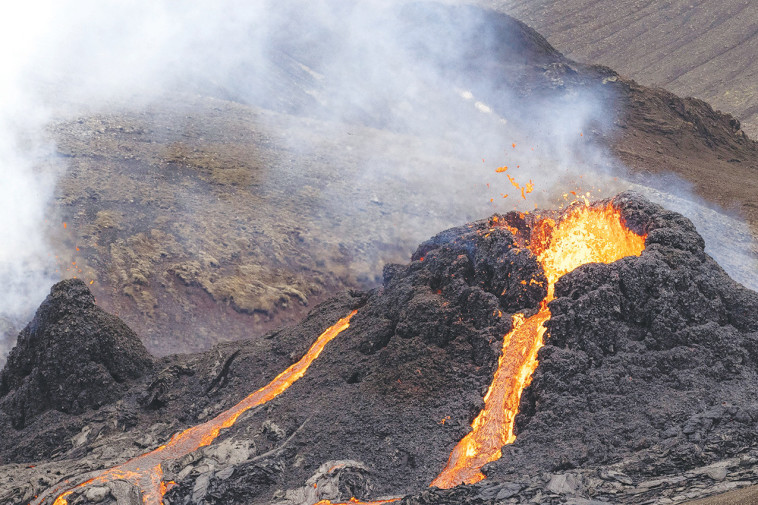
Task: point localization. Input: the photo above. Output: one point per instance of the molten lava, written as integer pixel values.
(146, 471)
(354, 501)
(584, 235)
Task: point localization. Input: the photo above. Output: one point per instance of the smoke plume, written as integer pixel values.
(419, 72)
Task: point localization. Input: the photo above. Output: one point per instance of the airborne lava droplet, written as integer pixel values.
(584, 235)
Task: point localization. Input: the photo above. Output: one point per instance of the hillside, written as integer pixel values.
(692, 48)
(212, 216)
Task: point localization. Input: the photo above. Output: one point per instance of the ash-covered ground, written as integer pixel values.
(645, 390)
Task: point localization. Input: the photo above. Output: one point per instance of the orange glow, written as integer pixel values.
(500, 170)
(61, 500)
(354, 501)
(146, 473)
(511, 229)
(525, 189)
(583, 235)
(493, 427)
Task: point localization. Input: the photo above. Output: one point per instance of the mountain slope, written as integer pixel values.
(213, 215)
(692, 48)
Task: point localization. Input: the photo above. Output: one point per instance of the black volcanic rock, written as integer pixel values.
(399, 387)
(650, 370)
(71, 357)
(651, 358)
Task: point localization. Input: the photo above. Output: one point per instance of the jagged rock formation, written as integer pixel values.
(645, 385)
(73, 356)
(652, 356)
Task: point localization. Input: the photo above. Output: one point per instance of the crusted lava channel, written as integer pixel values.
(145, 472)
(582, 234)
(639, 354)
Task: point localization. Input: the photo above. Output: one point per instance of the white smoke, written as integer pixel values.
(343, 63)
(27, 184)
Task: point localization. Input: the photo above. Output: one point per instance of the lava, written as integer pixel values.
(354, 501)
(583, 235)
(493, 427)
(146, 472)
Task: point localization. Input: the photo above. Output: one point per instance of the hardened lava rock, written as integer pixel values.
(399, 387)
(71, 357)
(650, 370)
(652, 357)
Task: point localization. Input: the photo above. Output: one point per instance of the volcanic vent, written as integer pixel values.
(579, 236)
(647, 369)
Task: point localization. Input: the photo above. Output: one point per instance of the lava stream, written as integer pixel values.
(493, 427)
(584, 235)
(354, 501)
(145, 471)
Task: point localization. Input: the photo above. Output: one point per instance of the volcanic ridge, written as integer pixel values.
(644, 388)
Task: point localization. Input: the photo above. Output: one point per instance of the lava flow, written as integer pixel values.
(145, 471)
(584, 235)
(354, 501)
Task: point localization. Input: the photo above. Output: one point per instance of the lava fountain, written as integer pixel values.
(584, 234)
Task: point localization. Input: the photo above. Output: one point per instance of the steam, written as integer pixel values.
(414, 70)
(26, 183)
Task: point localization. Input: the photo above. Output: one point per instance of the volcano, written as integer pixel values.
(625, 366)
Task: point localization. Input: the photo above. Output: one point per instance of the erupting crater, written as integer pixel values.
(583, 234)
(560, 242)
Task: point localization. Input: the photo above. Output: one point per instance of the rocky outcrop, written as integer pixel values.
(652, 356)
(71, 357)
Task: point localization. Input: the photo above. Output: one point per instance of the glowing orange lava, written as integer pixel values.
(354, 501)
(584, 235)
(145, 471)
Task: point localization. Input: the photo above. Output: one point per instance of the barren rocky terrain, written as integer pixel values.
(692, 48)
(644, 390)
